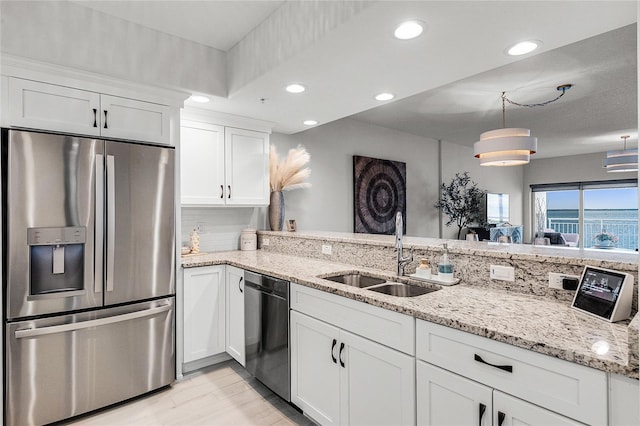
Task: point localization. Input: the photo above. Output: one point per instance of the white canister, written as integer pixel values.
(248, 239)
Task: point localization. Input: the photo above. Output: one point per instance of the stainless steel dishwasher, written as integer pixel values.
(266, 319)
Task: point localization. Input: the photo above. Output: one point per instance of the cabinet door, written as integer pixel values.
(136, 120)
(377, 383)
(247, 167)
(315, 372)
(446, 399)
(235, 313)
(204, 315)
(45, 106)
(202, 164)
(511, 411)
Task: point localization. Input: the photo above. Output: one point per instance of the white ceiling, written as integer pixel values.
(217, 24)
(447, 82)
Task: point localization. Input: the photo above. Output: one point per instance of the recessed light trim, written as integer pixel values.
(295, 88)
(200, 99)
(523, 47)
(409, 30)
(385, 96)
(310, 122)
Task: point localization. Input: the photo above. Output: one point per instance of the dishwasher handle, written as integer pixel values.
(63, 328)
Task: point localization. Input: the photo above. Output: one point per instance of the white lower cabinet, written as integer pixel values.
(338, 377)
(235, 314)
(511, 411)
(447, 399)
(204, 312)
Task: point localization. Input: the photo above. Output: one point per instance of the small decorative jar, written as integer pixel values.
(248, 239)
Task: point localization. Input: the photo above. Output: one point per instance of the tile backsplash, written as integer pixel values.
(220, 227)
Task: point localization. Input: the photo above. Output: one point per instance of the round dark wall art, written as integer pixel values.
(380, 191)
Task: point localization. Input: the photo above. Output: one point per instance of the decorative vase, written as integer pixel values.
(276, 211)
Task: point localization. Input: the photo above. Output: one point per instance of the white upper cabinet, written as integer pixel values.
(246, 167)
(44, 106)
(201, 163)
(124, 118)
(222, 165)
(49, 107)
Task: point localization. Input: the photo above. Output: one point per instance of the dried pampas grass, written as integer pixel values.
(288, 174)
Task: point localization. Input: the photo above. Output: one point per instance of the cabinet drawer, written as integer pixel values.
(572, 390)
(380, 325)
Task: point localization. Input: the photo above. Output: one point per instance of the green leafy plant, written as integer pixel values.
(461, 200)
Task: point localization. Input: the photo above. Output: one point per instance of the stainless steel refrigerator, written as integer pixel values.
(88, 273)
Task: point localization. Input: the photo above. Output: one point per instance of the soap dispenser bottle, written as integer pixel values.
(445, 267)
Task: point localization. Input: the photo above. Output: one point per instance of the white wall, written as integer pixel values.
(328, 204)
(67, 34)
(575, 168)
(508, 180)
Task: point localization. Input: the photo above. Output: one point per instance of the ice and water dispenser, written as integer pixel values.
(56, 259)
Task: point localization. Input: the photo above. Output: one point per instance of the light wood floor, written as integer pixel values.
(224, 394)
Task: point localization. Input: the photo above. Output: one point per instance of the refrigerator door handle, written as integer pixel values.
(99, 225)
(111, 219)
(63, 328)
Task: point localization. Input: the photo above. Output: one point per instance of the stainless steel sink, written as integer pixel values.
(356, 280)
(402, 290)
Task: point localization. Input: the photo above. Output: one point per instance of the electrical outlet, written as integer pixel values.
(555, 279)
(326, 249)
(504, 273)
(265, 241)
(200, 227)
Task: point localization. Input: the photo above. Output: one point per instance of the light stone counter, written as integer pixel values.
(542, 325)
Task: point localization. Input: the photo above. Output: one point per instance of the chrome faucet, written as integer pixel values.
(402, 261)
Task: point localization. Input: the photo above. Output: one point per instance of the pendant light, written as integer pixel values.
(509, 146)
(625, 160)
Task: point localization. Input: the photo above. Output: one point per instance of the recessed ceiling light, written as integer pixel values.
(523, 47)
(295, 88)
(385, 96)
(310, 122)
(408, 30)
(200, 99)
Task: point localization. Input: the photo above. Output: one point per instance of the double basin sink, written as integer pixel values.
(380, 285)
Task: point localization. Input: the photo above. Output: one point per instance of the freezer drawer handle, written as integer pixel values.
(507, 368)
(33, 332)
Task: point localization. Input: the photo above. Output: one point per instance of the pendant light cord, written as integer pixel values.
(562, 89)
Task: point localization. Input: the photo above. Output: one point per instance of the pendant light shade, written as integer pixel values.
(625, 160)
(510, 146)
(505, 147)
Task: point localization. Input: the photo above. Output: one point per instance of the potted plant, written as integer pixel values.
(461, 200)
(605, 239)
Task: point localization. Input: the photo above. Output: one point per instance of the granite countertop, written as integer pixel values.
(616, 259)
(538, 324)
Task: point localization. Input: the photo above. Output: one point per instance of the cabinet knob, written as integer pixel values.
(239, 282)
(333, 345)
(340, 354)
(229, 194)
(221, 191)
(95, 117)
(105, 119)
(501, 417)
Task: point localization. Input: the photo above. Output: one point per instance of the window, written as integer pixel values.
(601, 215)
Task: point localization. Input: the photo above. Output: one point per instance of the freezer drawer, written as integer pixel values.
(63, 366)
